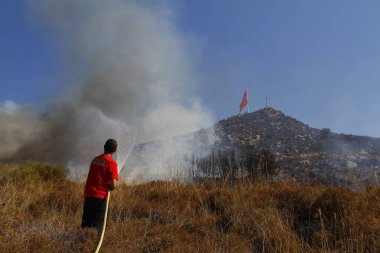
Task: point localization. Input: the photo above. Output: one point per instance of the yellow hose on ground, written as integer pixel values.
(104, 224)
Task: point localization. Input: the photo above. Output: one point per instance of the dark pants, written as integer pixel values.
(93, 212)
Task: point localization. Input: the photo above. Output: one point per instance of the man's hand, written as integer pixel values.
(113, 184)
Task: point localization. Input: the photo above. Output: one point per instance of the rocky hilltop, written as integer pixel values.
(302, 152)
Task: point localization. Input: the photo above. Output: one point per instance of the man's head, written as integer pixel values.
(110, 146)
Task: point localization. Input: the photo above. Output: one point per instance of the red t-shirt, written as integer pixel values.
(102, 169)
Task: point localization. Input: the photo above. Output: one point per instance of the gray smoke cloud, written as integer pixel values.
(133, 80)
(19, 125)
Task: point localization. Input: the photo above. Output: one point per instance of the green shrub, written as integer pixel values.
(31, 171)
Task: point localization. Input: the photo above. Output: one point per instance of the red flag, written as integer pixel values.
(244, 102)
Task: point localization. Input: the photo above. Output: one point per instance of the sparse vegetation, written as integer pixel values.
(40, 211)
(233, 166)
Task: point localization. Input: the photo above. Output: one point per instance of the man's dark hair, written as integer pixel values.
(110, 146)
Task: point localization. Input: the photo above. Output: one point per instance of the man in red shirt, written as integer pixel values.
(102, 177)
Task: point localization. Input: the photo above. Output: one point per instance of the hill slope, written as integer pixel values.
(302, 152)
(41, 212)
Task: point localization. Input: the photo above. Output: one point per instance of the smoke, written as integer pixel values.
(132, 77)
(18, 126)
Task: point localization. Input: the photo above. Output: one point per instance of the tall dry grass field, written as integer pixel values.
(40, 211)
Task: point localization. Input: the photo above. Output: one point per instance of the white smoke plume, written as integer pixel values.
(133, 73)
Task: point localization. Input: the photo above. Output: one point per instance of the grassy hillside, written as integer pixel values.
(40, 211)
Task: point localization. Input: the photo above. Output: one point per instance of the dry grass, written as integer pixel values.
(40, 211)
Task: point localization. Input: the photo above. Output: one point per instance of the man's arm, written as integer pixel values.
(113, 184)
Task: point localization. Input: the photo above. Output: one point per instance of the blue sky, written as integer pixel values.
(28, 61)
(317, 61)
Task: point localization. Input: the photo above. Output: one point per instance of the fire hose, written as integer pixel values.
(104, 224)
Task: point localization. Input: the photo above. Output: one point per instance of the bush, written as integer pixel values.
(261, 164)
(325, 133)
(31, 171)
